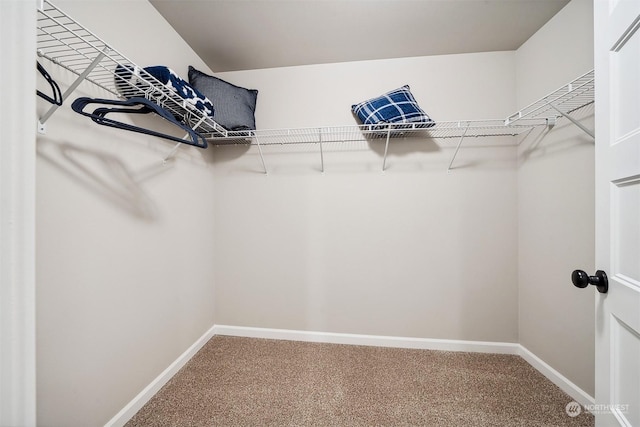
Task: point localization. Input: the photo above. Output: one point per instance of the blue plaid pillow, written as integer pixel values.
(397, 106)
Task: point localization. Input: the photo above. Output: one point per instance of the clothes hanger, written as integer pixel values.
(57, 94)
(135, 105)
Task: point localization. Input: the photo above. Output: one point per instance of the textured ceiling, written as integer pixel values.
(234, 35)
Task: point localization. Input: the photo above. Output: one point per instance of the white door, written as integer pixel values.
(617, 65)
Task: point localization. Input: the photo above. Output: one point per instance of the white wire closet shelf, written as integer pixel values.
(544, 112)
(65, 42)
(562, 102)
(319, 134)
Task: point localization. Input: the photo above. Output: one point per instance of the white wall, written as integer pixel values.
(556, 203)
(124, 243)
(412, 251)
(17, 216)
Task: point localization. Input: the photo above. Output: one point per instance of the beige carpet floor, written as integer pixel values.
(235, 381)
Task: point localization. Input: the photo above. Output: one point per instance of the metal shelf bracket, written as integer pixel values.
(574, 121)
(455, 153)
(175, 149)
(321, 153)
(74, 85)
(386, 148)
(264, 166)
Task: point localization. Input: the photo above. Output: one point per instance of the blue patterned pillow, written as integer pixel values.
(396, 106)
(128, 83)
(182, 87)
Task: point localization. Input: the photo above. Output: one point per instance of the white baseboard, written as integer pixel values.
(575, 392)
(370, 340)
(122, 417)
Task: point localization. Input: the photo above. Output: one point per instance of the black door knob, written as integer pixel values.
(581, 280)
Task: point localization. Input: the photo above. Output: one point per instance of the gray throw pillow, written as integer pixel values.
(234, 106)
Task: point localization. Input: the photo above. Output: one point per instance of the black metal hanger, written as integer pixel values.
(57, 94)
(135, 105)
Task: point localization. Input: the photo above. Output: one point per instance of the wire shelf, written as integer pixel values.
(65, 42)
(314, 135)
(561, 102)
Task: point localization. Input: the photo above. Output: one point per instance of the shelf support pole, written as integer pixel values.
(321, 153)
(464, 133)
(260, 152)
(172, 152)
(574, 121)
(175, 148)
(386, 148)
(71, 88)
